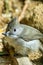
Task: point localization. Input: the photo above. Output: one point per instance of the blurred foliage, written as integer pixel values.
(33, 16)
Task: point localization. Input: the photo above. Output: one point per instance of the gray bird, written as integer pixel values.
(23, 38)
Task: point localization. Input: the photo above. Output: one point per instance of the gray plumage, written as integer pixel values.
(22, 37)
(23, 31)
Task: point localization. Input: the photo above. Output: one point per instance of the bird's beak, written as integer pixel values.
(4, 34)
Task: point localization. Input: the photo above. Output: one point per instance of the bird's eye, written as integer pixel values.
(14, 30)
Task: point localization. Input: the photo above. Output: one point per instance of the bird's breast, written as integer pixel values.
(18, 48)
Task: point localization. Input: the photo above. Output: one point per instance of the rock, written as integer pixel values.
(24, 61)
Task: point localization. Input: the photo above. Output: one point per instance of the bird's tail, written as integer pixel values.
(38, 36)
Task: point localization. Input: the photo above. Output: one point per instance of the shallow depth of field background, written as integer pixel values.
(33, 17)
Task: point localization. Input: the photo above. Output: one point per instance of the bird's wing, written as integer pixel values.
(30, 33)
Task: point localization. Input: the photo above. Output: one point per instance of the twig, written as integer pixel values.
(23, 11)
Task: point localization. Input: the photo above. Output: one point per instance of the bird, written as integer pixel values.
(22, 37)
